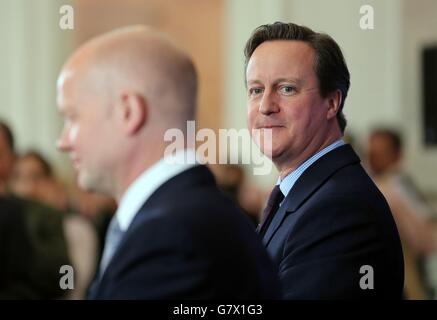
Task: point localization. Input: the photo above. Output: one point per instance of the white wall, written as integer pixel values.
(33, 49)
(373, 56)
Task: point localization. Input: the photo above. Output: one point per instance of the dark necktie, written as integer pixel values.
(275, 199)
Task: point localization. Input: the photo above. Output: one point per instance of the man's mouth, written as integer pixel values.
(270, 126)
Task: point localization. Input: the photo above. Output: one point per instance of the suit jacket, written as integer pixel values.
(189, 241)
(32, 250)
(332, 225)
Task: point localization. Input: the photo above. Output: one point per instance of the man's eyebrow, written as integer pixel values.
(293, 80)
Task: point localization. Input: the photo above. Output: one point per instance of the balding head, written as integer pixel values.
(139, 60)
(130, 85)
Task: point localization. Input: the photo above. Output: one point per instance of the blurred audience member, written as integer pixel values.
(410, 210)
(252, 199)
(32, 250)
(33, 178)
(94, 207)
(232, 181)
(32, 244)
(230, 178)
(7, 155)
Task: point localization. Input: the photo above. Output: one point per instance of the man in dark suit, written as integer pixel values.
(174, 235)
(326, 225)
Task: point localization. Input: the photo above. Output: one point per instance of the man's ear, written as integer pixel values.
(133, 111)
(334, 102)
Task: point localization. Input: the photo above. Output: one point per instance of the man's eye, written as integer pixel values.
(255, 91)
(286, 89)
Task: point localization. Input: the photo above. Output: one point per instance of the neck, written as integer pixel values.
(289, 166)
(134, 165)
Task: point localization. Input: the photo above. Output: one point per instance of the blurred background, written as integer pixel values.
(391, 107)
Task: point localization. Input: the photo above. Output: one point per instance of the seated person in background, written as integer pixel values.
(232, 180)
(412, 214)
(33, 178)
(32, 250)
(32, 242)
(7, 155)
(94, 207)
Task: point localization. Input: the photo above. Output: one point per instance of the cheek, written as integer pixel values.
(251, 114)
(302, 114)
(293, 115)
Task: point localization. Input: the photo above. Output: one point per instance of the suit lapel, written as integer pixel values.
(309, 182)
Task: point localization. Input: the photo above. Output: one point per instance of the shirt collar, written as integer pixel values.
(149, 181)
(288, 182)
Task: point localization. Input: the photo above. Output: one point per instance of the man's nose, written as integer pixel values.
(63, 143)
(269, 103)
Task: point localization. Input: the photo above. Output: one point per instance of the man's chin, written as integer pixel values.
(93, 184)
(271, 153)
(85, 183)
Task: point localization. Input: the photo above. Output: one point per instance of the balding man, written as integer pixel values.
(174, 234)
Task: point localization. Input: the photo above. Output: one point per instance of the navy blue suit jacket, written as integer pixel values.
(189, 241)
(333, 222)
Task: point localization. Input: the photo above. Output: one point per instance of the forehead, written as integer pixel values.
(281, 59)
(73, 86)
(66, 87)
